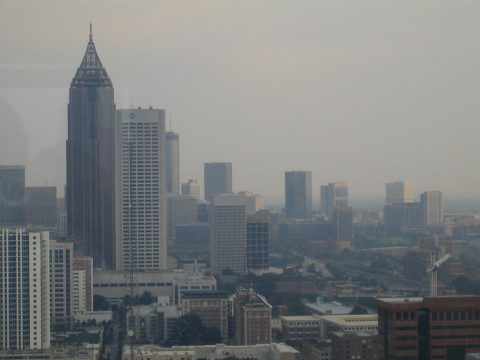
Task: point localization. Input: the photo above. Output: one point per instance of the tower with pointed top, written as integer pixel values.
(90, 161)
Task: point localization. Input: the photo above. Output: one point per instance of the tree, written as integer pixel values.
(189, 330)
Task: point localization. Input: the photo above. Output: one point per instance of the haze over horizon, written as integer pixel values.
(364, 92)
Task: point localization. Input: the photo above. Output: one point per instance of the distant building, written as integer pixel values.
(258, 243)
(217, 179)
(348, 324)
(12, 196)
(61, 261)
(41, 208)
(254, 202)
(400, 192)
(83, 267)
(203, 209)
(192, 187)
(432, 204)
(333, 196)
(212, 308)
(445, 327)
(172, 162)
(253, 315)
(141, 211)
(228, 234)
(24, 290)
(407, 216)
(181, 210)
(79, 291)
(191, 241)
(298, 194)
(342, 229)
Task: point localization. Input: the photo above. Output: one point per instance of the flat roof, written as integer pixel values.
(333, 308)
(352, 320)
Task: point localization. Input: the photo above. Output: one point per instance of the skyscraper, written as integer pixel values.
(90, 160)
(432, 205)
(181, 210)
(12, 196)
(333, 196)
(192, 187)
(400, 192)
(141, 208)
(172, 162)
(217, 179)
(298, 194)
(24, 290)
(228, 234)
(41, 206)
(258, 239)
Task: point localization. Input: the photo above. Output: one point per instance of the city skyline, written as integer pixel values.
(375, 127)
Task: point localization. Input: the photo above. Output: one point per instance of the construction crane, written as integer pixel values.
(433, 270)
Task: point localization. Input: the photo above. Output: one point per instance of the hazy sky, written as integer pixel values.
(360, 91)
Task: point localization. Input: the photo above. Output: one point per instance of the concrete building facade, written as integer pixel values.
(12, 196)
(298, 194)
(172, 162)
(217, 179)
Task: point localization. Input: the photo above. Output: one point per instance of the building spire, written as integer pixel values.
(91, 35)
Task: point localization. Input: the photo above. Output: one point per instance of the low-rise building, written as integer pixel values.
(354, 345)
(298, 328)
(213, 352)
(348, 324)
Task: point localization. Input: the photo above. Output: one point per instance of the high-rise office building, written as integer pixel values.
(192, 187)
(228, 234)
(79, 291)
(253, 317)
(141, 205)
(400, 192)
(172, 162)
(342, 229)
(61, 257)
(432, 204)
(258, 239)
(90, 161)
(24, 290)
(333, 196)
(181, 210)
(217, 179)
(298, 194)
(444, 327)
(254, 202)
(41, 208)
(402, 216)
(12, 196)
(84, 264)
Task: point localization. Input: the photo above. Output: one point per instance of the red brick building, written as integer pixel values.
(446, 327)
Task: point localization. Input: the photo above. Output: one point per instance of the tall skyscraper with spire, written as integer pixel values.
(90, 160)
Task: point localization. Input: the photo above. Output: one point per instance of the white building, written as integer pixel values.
(24, 289)
(140, 190)
(348, 324)
(114, 285)
(254, 202)
(400, 192)
(192, 187)
(61, 258)
(228, 234)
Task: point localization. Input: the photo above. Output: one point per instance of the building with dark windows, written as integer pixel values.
(90, 186)
(342, 229)
(61, 261)
(12, 196)
(298, 194)
(41, 208)
(217, 179)
(141, 204)
(258, 238)
(333, 196)
(446, 327)
(172, 162)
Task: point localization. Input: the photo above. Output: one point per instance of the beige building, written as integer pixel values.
(400, 192)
